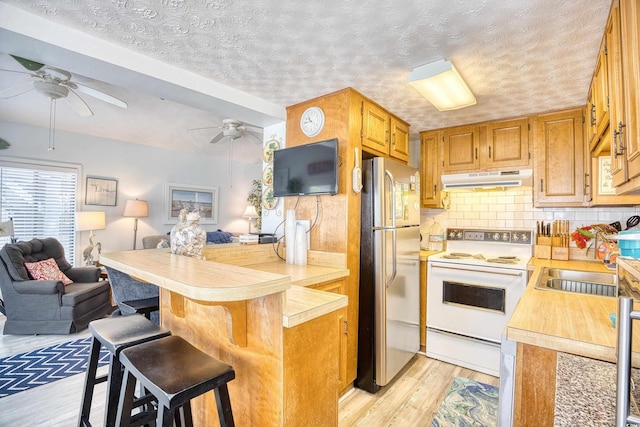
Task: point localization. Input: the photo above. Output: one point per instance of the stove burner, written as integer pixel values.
(456, 255)
(503, 260)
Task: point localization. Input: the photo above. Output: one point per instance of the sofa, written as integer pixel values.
(49, 306)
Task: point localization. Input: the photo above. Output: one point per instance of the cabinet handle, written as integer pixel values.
(386, 136)
(435, 189)
(489, 152)
(541, 185)
(586, 184)
(617, 141)
(593, 114)
(476, 151)
(394, 138)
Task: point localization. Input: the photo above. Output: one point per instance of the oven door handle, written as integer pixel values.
(477, 270)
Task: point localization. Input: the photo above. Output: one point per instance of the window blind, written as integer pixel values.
(42, 202)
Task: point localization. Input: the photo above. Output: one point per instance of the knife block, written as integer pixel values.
(542, 248)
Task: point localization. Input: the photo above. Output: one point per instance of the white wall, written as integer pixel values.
(514, 209)
(142, 172)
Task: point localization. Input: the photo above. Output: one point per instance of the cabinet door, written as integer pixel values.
(630, 33)
(601, 93)
(559, 159)
(338, 287)
(375, 129)
(460, 147)
(399, 148)
(590, 120)
(616, 107)
(430, 169)
(507, 144)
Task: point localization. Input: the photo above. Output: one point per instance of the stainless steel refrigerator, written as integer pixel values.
(389, 298)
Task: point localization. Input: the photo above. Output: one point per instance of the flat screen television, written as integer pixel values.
(304, 170)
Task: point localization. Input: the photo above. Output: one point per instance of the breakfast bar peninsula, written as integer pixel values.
(282, 338)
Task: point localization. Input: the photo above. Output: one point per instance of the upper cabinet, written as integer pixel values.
(494, 145)
(559, 159)
(430, 184)
(384, 134)
(626, 136)
(460, 149)
(507, 143)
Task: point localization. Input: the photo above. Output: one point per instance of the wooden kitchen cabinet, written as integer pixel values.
(488, 146)
(626, 131)
(460, 149)
(430, 184)
(600, 92)
(338, 287)
(384, 134)
(505, 144)
(535, 387)
(559, 159)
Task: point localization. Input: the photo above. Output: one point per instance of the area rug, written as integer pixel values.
(468, 403)
(28, 370)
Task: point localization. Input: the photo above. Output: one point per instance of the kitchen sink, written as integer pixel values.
(583, 282)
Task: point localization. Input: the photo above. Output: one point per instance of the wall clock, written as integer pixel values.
(312, 121)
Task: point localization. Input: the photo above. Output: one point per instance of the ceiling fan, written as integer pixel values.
(233, 129)
(55, 84)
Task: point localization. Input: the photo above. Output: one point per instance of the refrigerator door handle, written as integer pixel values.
(392, 203)
(394, 262)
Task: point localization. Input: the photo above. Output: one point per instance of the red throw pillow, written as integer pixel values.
(46, 270)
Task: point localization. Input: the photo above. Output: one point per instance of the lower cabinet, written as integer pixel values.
(338, 287)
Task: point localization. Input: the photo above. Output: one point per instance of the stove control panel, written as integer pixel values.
(501, 236)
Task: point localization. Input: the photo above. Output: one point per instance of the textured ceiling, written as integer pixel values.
(519, 57)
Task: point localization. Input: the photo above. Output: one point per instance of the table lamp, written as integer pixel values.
(6, 229)
(89, 221)
(136, 209)
(250, 213)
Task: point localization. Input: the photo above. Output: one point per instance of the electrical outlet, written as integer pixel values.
(307, 225)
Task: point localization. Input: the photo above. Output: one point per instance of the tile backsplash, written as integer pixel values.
(513, 208)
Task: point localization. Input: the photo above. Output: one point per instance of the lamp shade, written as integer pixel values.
(6, 228)
(90, 221)
(136, 208)
(442, 85)
(250, 212)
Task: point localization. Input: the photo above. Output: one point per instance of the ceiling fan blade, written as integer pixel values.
(16, 90)
(251, 127)
(100, 95)
(217, 138)
(256, 135)
(208, 127)
(27, 63)
(77, 104)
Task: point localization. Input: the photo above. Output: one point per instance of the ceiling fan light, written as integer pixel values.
(51, 89)
(442, 85)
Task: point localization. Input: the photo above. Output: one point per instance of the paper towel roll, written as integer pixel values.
(290, 237)
(301, 245)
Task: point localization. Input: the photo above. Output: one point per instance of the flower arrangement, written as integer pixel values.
(255, 198)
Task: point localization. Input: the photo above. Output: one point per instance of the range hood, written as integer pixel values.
(490, 179)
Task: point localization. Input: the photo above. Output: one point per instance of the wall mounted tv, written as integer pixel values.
(305, 170)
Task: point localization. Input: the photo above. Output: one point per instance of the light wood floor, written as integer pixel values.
(409, 400)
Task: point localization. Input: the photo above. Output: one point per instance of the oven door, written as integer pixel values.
(474, 301)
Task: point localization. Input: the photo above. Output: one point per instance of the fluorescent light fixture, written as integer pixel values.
(441, 84)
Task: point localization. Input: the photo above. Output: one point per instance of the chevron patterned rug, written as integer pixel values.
(28, 370)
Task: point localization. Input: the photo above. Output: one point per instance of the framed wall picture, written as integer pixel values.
(101, 191)
(191, 197)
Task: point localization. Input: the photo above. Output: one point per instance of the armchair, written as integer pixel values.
(49, 306)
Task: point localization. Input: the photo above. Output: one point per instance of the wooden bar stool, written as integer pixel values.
(174, 372)
(115, 334)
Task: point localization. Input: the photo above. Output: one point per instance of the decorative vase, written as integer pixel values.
(188, 237)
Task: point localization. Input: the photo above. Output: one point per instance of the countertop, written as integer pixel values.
(221, 282)
(568, 322)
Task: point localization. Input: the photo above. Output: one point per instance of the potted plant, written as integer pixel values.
(255, 198)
